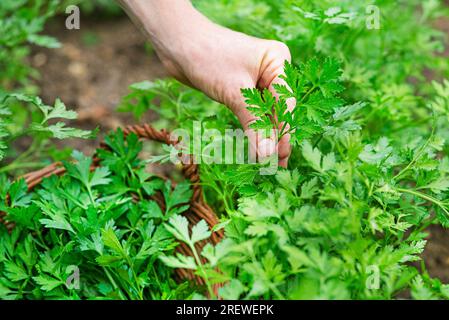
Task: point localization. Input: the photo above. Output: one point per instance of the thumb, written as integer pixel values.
(277, 55)
(260, 145)
(283, 146)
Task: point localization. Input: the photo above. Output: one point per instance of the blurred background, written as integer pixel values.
(95, 65)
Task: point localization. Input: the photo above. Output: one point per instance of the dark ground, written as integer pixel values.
(94, 68)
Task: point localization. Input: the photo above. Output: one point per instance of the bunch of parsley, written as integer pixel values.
(92, 234)
(366, 178)
(348, 218)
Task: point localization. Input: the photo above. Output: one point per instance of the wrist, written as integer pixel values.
(173, 26)
(167, 20)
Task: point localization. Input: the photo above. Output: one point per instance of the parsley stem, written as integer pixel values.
(425, 197)
(282, 129)
(425, 225)
(24, 165)
(307, 94)
(91, 196)
(417, 156)
(282, 133)
(21, 162)
(114, 284)
(136, 280)
(200, 266)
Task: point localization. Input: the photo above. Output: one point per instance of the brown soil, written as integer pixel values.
(94, 68)
(436, 254)
(443, 25)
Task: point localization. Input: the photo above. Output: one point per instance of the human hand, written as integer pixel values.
(217, 61)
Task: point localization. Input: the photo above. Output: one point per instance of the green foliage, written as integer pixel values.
(366, 178)
(368, 174)
(39, 121)
(348, 206)
(22, 114)
(172, 101)
(314, 86)
(21, 22)
(88, 221)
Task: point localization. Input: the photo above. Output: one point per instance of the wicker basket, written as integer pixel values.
(198, 208)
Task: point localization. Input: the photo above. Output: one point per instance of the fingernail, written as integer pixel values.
(266, 148)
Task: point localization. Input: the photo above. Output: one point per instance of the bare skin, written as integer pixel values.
(213, 59)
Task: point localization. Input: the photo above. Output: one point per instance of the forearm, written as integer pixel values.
(164, 20)
(179, 33)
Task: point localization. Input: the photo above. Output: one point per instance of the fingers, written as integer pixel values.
(271, 68)
(263, 145)
(284, 147)
(274, 68)
(259, 146)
